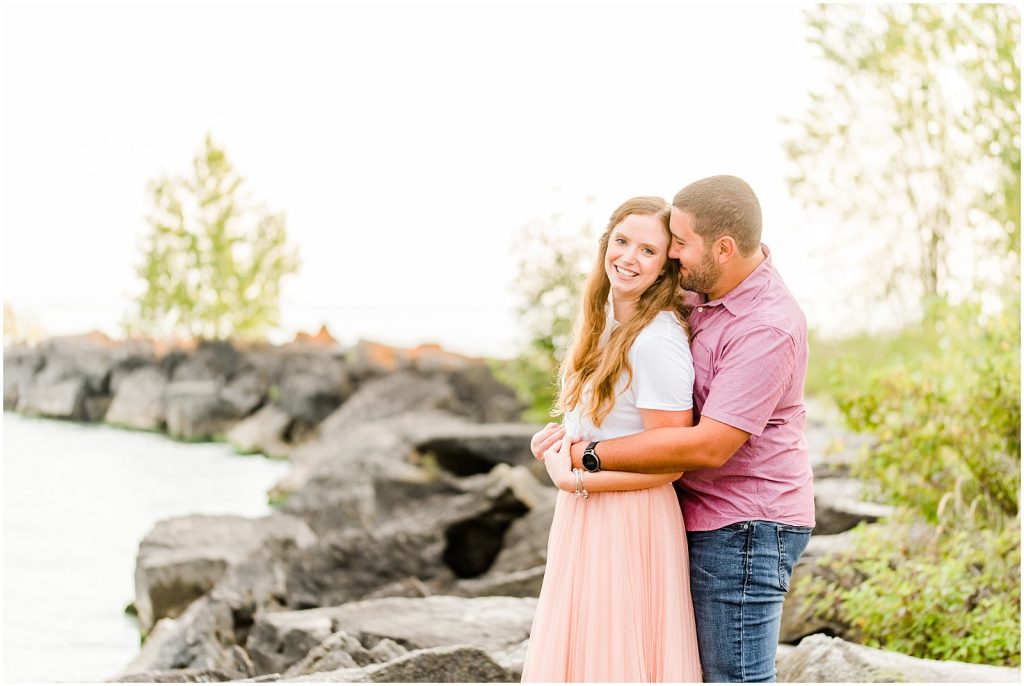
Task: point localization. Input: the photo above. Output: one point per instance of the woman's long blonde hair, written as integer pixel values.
(589, 366)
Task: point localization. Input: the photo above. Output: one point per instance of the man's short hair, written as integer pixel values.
(723, 206)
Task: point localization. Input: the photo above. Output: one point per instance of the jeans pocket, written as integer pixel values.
(792, 541)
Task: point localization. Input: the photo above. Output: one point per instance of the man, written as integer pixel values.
(747, 493)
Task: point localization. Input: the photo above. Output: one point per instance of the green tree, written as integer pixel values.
(916, 141)
(213, 260)
(917, 145)
(549, 280)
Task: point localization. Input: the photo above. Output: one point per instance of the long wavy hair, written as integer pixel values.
(589, 370)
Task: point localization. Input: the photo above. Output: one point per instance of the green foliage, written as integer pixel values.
(937, 593)
(942, 399)
(549, 282)
(213, 261)
(915, 142)
(947, 420)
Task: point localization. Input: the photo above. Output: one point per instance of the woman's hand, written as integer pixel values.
(559, 466)
(545, 438)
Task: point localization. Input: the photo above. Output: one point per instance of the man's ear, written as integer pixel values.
(726, 249)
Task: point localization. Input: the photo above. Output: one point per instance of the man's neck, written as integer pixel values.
(737, 275)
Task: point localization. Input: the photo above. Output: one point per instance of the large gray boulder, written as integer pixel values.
(477, 448)
(447, 664)
(20, 365)
(839, 506)
(202, 638)
(139, 400)
(264, 431)
(820, 658)
(183, 558)
(210, 633)
(800, 614)
(203, 410)
(460, 533)
(62, 398)
(279, 640)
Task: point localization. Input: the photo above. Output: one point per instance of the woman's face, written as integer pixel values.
(637, 250)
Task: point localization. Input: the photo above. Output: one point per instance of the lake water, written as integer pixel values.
(77, 500)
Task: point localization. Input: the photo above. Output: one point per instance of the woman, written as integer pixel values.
(615, 602)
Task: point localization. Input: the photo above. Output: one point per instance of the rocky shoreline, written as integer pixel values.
(409, 538)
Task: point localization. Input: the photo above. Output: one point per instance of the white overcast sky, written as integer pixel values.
(407, 143)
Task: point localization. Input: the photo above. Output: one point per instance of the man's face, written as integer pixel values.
(699, 271)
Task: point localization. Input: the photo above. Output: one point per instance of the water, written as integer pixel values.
(77, 500)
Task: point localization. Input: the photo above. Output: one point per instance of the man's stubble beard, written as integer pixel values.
(700, 278)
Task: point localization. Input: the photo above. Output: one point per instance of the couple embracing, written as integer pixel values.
(685, 491)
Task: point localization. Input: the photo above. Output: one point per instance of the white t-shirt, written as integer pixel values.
(662, 380)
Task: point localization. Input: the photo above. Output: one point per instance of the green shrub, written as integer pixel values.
(929, 592)
(942, 580)
(948, 418)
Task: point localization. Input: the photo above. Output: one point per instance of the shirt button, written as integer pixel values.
(700, 309)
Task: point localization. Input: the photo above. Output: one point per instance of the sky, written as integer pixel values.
(407, 144)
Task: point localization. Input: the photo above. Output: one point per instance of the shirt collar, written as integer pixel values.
(743, 298)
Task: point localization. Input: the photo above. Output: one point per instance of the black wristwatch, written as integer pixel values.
(591, 462)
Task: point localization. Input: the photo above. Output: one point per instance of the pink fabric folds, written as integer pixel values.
(615, 602)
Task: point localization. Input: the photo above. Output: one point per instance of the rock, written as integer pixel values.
(244, 394)
(448, 664)
(202, 638)
(460, 533)
(477, 448)
(211, 361)
(96, 407)
(20, 365)
(800, 616)
(89, 358)
(819, 658)
(484, 398)
(208, 635)
(311, 395)
(389, 396)
(832, 448)
(181, 676)
(183, 558)
(512, 659)
(526, 541)
(64, 399)
(838, 506)
(139, 400)
(205, 410)
(524, 584)
(281, 639)
(263, 432)
(341, 650)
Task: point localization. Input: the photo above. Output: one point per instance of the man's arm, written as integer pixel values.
(668, 449)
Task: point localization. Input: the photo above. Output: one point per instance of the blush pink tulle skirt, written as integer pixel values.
(615, 603)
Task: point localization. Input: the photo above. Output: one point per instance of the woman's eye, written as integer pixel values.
(648, 251)
(620, 241)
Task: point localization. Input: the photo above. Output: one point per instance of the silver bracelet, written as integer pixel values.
(581, 490)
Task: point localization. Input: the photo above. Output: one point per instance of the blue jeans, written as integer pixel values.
(739, 576)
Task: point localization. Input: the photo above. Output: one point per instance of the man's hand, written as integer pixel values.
(545, 438)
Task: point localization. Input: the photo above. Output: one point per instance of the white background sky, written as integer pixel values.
(407, 143)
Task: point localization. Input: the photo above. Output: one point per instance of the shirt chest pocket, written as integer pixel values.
(703, 369)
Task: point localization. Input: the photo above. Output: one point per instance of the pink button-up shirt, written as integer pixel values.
(750, 360)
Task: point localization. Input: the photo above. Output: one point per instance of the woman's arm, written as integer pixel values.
(560, 468)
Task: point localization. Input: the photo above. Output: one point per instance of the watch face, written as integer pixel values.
(589, 462)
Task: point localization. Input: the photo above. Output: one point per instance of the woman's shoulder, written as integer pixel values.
(664, 325)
